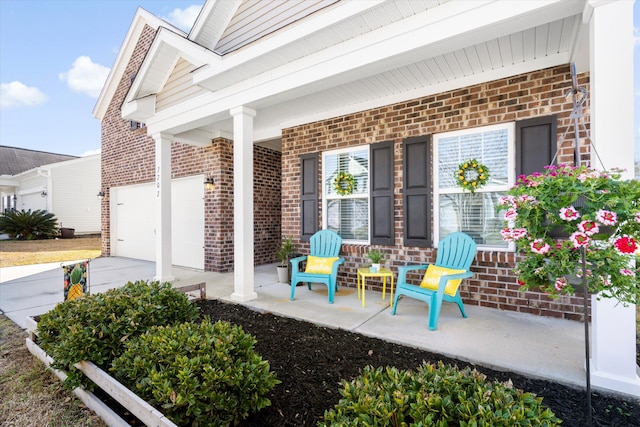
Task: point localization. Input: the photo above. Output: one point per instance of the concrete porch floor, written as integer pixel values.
(540, 347)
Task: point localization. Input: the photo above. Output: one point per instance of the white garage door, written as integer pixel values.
(133, 222)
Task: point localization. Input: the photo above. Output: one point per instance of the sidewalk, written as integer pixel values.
(547, 348)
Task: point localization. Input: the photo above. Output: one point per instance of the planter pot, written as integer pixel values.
(374, 268)
(283, 274)
(67, 233)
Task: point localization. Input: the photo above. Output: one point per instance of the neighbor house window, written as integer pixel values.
(458, 210)
(347, 215)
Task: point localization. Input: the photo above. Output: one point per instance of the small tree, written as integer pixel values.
(28, 225)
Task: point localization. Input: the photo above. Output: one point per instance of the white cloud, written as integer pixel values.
(85, 76)
(184, 18)
(17, 94)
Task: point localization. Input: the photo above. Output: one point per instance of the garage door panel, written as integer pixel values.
(133, 225)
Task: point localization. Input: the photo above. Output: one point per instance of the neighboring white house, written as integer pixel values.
(69, 189)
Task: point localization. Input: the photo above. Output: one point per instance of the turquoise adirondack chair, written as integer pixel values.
(442, 279)
(322, 263)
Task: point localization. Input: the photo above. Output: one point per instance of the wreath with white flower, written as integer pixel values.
(344, 183)
(472, 175)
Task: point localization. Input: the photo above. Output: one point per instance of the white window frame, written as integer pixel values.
(511, 176)
(326, 197)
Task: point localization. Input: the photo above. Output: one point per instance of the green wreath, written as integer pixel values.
(344, 183)
(472, 175)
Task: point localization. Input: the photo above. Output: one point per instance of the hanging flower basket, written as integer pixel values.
(344, 183)
(472, 175)
(552, 216)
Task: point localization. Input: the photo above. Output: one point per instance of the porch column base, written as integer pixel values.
(605, 380)
(164, 279)
(243, 297)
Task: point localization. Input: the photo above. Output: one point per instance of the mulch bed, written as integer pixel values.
(311, 361)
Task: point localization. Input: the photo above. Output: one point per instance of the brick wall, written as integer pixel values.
(540, 93)
(128, 157)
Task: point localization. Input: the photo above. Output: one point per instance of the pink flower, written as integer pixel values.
(510, 214)
(605, 282)
(506, 201)
(561, 283)
(539, 246)
(606, 217)
(507, 234)
(626, 245)
(580, 239)
(518, 233)
(627, 272)
(527, 198)
(589, 227)
(637, 216)
(569, 214)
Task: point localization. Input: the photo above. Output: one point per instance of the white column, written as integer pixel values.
(613, 362)
(162, 189)
(243, 287)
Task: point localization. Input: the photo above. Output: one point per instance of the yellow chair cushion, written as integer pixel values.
(431, 279)
(320, 265)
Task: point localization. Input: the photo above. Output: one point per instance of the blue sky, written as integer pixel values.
(55, 56)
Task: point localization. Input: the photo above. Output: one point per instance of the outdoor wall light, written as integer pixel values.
(44, 193)
(209, 184)
(101, 194)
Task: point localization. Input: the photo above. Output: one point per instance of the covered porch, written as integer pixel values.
(535, 346)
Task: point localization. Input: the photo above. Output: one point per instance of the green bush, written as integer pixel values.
(96, 327)
(197, 374)
(434, 396)
(29, 225)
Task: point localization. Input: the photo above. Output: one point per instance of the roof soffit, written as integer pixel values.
(140, 19)
(290, 38)
(212, 21)
(165, 51)
(448, 28)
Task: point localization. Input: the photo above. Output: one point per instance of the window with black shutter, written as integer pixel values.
(381, 193)
(416, 166)
(536, 144)
(308, 195)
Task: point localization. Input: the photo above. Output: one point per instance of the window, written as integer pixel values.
(458, 210)
(347, 215)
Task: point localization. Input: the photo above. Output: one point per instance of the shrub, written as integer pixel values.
(197, 374)
(434, 396)
(29, 225)
(96, 327)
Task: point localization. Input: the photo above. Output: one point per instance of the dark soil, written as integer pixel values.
(311, 361)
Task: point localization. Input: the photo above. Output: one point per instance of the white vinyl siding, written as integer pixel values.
(74, 194)
(179, 86)
(458, 210)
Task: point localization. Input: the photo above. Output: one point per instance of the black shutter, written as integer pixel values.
(536, 144)
(381, 193)
(416, 194)
(308, 196)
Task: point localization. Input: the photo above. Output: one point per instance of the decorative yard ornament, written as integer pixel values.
(472, 175)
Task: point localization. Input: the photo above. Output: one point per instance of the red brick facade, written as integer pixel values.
(128, 157)
(540, 93)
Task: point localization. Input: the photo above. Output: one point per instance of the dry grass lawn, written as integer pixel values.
(21, 252)
(30, 394)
